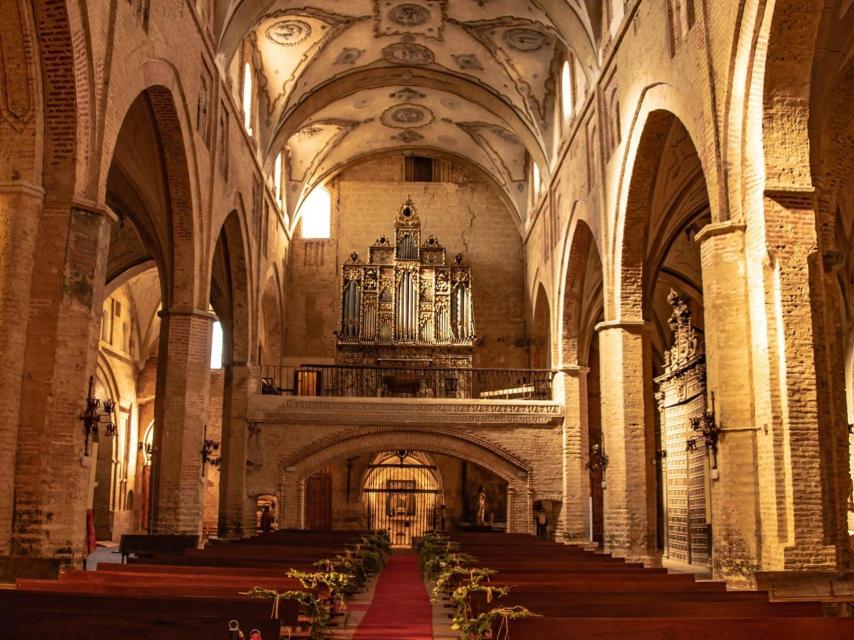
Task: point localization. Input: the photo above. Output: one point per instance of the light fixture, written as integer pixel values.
(91, 417)
(598, 460)
(209, 447)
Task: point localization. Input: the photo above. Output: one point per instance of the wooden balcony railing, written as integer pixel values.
(403, 382)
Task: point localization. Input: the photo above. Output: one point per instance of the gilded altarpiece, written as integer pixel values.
(681, 395)
(407, 306)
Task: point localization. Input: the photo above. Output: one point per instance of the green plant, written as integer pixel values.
(484, 625)
(339, 585)
(449, 570)
(318, 613)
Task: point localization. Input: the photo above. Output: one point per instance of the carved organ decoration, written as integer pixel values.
(407, 305)
(685, 460)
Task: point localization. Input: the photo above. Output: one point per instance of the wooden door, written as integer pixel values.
(318, 501)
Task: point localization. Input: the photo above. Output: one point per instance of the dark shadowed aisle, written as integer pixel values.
(401, 608)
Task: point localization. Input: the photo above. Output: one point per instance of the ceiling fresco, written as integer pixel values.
(468, 78)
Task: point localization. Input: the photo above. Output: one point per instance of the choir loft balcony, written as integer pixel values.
(363, 394)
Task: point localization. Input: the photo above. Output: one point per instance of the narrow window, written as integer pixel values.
(247, 98)
(316, 212)
(566, 97)
(216, 346)
(277, 178)
(536, 179)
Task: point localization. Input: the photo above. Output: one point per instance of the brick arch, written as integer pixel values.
(159, 81)
(631, 270)
(542, 355)
(573, 304)
(232, 287)
(506, 465)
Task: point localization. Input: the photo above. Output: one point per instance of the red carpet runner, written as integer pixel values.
(400, 609)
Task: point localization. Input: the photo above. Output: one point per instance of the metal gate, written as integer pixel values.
(402, 496)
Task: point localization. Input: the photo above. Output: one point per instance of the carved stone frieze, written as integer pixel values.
(401, 411)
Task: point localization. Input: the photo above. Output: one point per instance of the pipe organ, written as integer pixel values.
(407, 306)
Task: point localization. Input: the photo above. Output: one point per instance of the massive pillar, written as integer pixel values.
(236, 510)
(728, 371)
(20, 208)
(574, 524)
(181, 412)
(628, 440)
(796, 474)
(52, 472)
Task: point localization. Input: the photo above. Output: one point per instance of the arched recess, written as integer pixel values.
(271, 329)
(515, 471)
(666, 202)
(582, 308)
(541, 334)
(232, 301)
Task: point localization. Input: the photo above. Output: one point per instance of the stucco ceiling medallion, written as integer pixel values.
(349, 55)
(467, 61)
(408, 136)
(408, 53)
(406, 94)
(289, 33)
(425, 18)
(525, 40)
(407, 116)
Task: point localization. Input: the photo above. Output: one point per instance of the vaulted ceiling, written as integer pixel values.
(472, 79)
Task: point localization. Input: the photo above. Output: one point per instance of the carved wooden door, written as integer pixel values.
(318, 501)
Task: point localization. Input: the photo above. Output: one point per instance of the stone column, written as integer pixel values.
(734, 494)
(628, 440)
(236, 513)
(51, 470)
(574, 524)
(181, 412)
(20, 208)
(796, 479)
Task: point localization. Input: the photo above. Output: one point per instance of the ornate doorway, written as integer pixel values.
(401, 495)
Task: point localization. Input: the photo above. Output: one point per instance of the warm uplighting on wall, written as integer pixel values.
(316, 214)
(247, 97)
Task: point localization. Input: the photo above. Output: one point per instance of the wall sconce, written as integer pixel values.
(92, 416)
(707, 428)
(598, 461)
(209, 446)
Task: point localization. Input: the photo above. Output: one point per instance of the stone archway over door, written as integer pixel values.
(517, 473)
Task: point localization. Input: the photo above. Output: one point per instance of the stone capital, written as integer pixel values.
(22, 189)
(716, 229)
(632, 326)
(175, 311)
(574, 370)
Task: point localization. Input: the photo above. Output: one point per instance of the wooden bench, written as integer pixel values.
(149, 545)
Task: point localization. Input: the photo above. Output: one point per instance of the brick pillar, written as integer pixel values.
(236, 511)
(574, 524)
(735, 549)
(797, 480)
(628, 440)
(51, 471)
(181, 411)
(20, 207)
(291, 500)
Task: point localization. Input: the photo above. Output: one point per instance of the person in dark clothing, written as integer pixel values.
(266, 520)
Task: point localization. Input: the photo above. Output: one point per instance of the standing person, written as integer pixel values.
(542, 523)
(266, 520)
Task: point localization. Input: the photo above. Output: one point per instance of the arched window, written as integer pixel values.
(566, 91)
(277, 178)
(535, 176)
(316, 213)
(247, 97)
(216, 346)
